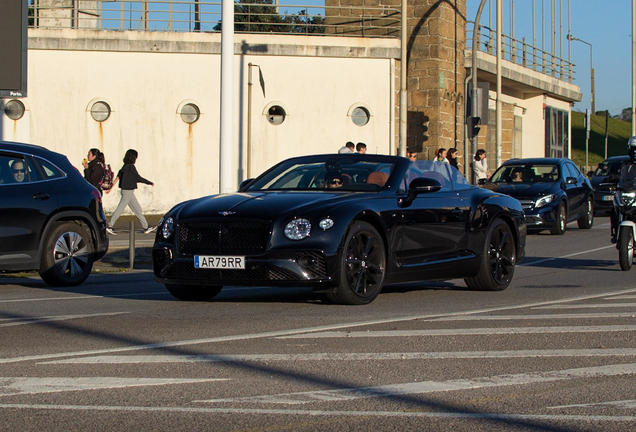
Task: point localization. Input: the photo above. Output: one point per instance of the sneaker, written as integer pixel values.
(150, 229)
(110, 231)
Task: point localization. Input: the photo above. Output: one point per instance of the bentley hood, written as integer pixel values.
(262, 205)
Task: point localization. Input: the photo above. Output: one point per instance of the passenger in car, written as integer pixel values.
(18, 171)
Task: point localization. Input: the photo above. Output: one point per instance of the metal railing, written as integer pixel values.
(521, 53)
(205, 16)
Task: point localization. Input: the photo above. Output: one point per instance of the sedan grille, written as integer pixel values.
(223, 237)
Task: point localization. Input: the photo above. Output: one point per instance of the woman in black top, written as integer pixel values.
(452, 157)
(94, 168)
(128, 178)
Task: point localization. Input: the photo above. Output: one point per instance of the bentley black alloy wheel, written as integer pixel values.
(363, 266)
(498, 260)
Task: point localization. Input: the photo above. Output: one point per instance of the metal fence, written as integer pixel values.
(521, 53)
(251, 16)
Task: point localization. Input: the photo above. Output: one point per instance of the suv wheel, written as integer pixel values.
(67, 255)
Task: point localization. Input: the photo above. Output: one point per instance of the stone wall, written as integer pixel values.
(435, 57)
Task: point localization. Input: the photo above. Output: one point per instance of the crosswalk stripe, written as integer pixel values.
(133, 359)
(393, 390)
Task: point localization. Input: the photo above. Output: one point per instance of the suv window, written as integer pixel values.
(49, 170)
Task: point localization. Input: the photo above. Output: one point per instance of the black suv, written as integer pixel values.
(51, 218)
(552, 192)
(604, 179)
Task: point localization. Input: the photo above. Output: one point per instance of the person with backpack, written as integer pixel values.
(94, 168)
(128, 178)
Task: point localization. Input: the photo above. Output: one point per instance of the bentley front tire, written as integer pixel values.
(193, 292)
(497, 265)
(363, 266)
(67, 255)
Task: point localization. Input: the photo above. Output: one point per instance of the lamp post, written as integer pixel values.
(571, 38)
(587, 117)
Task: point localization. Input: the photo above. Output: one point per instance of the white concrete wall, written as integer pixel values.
(145, 79)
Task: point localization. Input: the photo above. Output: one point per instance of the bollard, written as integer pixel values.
(131, 245)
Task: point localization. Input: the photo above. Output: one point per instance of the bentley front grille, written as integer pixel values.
(223, 237)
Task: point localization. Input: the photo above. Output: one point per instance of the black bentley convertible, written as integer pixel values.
(345, 225)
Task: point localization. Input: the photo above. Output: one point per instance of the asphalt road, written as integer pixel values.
(554, 352)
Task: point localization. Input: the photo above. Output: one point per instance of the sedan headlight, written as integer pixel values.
(298, 229)
(544, 200)
(167, 227)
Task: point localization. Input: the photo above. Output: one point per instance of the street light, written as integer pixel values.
(571, 38)
(587, 118)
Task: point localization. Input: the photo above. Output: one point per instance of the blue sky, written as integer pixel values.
(606, 24)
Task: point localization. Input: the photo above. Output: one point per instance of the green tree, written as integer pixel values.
(259, 16)
(305, 23)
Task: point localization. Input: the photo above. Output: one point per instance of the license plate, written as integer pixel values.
(219, 262)
(608, 197)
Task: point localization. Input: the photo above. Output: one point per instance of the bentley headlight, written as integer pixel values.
(544, 200)
(298, 229)
(167, 227)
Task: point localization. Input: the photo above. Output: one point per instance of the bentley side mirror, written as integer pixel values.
(244, 183)
(482, 181)
(422, 185)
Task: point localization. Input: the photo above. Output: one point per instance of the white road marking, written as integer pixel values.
(586, 306)
(24, 321)
(533, 317)
(390, 390)
(463, 332)
(627, 404)
(82, 297)
(276, 333)
(623, 297)
(565, 256)
(315, 413)
(601, 352)
(34, 385)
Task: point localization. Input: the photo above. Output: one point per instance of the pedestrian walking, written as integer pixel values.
(128, 178)
(94, 168)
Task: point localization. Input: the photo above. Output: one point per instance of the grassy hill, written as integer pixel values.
(619, 133)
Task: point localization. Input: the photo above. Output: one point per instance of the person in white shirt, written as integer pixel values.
(480, 166)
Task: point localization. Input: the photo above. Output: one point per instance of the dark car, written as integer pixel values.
(552, 192)
(345, 225)
(51, 218)
(604, 179)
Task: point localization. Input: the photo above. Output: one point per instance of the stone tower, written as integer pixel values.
(436, 42)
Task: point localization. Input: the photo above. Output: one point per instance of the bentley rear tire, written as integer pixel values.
(498, 260)
(363, 266)
(193, 292)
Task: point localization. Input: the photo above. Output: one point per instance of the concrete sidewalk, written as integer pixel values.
(117, 257)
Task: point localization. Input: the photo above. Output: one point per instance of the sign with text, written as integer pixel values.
(13, 48)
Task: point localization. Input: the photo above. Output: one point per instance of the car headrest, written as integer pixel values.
(377, 178)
